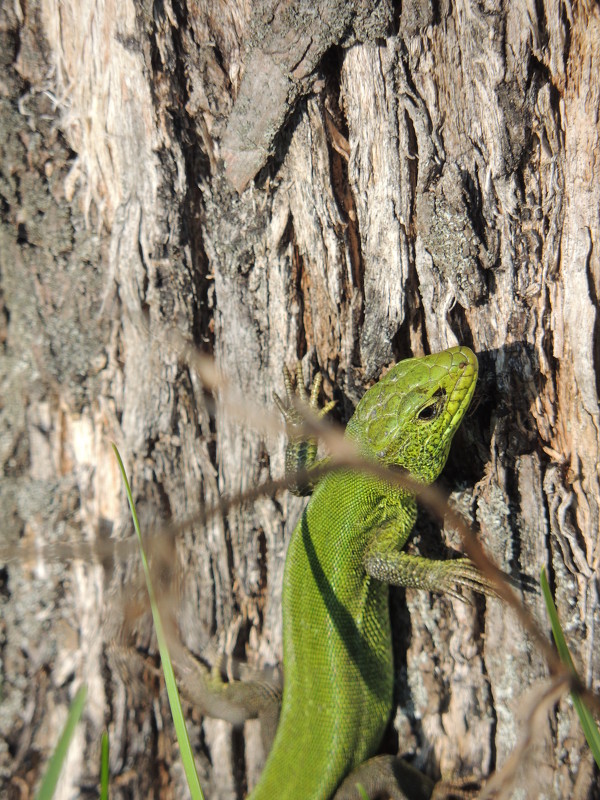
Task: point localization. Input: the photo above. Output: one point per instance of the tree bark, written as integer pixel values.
(345, 183)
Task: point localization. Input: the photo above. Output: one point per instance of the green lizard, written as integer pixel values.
(345, 551)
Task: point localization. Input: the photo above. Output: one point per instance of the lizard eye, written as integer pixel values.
(429, 412)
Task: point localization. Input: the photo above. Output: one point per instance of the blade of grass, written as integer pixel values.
(187, 757)
(60, 752)
(590, 729)
(104, 770)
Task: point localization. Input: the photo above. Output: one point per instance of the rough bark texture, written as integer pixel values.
(428, 175)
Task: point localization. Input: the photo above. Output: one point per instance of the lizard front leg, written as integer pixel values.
(384, 560)
(301, 451)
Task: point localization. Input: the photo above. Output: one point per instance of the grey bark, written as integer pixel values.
(425, 177)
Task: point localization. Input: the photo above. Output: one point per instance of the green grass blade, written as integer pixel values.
(60, 752)
(185, 748)
(362, 792)
(590, 729)
(104, 769)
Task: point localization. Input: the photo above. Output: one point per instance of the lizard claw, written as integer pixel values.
(301, 451)
(289, 409)
(462, 572)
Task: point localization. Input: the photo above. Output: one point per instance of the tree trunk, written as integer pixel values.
(346, 183)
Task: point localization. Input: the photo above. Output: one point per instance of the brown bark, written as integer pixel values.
(424, 176)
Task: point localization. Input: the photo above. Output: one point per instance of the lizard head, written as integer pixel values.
(409, 417)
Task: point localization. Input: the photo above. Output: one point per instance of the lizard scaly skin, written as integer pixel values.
(345, 550)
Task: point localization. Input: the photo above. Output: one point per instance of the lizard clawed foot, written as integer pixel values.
(301, 451)
(289, 409)
(462, 572)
